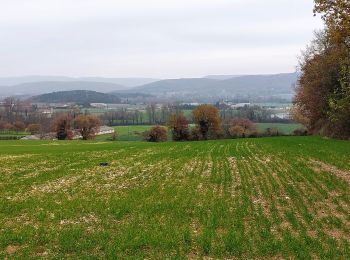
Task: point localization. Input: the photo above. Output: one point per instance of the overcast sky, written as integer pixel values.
(153, 38)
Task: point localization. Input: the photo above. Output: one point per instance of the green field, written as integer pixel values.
(284, 128)
(284, 197)
(126, 133)
(11, 134)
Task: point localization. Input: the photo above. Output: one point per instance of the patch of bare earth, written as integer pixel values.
(319, 166)
(274, 172)
(190, 166)
(195, 232)
(328, 207)
(209, 167)
(81, 220)
(61, 184)
(8, 158)
(11, 249)
(338, 234)
(236, 179)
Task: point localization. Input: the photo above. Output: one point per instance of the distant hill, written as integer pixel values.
(76, 96)
(206, 89)
(35, 85)
(36, 88)
(176, 85)
(131, 95)
(222, 77)
(127, 82)
(261, 84)
(199, 88)
(11, 81)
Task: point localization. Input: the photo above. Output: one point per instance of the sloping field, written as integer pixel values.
(286, 197)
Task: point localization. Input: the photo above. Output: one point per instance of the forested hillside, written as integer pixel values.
(76, 96)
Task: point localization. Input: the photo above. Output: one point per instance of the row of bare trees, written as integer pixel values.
(123, 117)
(18, 115)
(208, 125)
(152, 115)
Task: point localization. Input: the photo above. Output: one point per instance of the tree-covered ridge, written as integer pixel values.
(76, 96)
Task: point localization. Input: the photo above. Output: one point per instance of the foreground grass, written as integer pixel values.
(248, 198)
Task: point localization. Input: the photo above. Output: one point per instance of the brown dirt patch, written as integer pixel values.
(338, 234)
(195, 228)
(11, 249)
(318, 166)
(236, 180)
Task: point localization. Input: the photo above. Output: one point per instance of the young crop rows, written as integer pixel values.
(254, 198)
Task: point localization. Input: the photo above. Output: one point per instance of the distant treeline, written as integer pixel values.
(84, 97)
(19, 116)
(159, 116)
(256, 114)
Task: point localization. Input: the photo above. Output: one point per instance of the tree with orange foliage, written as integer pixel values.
(207, 119)
(336, 15)
(314, 86)
(87, 126)
(322, 101)
(241, 127)
(178, 125)
(156, 134)
(236, 131)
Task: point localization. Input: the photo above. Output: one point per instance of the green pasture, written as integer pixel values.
(264, 198)
(285, 128)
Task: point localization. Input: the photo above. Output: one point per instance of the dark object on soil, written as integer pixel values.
(104, 164)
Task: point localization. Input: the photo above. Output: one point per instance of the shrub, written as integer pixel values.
(9, 126)
(300, 132)
(236, 131)
(19, 126)
(87, 126)
(2, 124)
(196, 134)
(178, 125)
(62, 126)
(254, 134)
(156, 134)
(207, 120)
(242, 128)
(114, 136)
(272, 132)
(34, 128)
